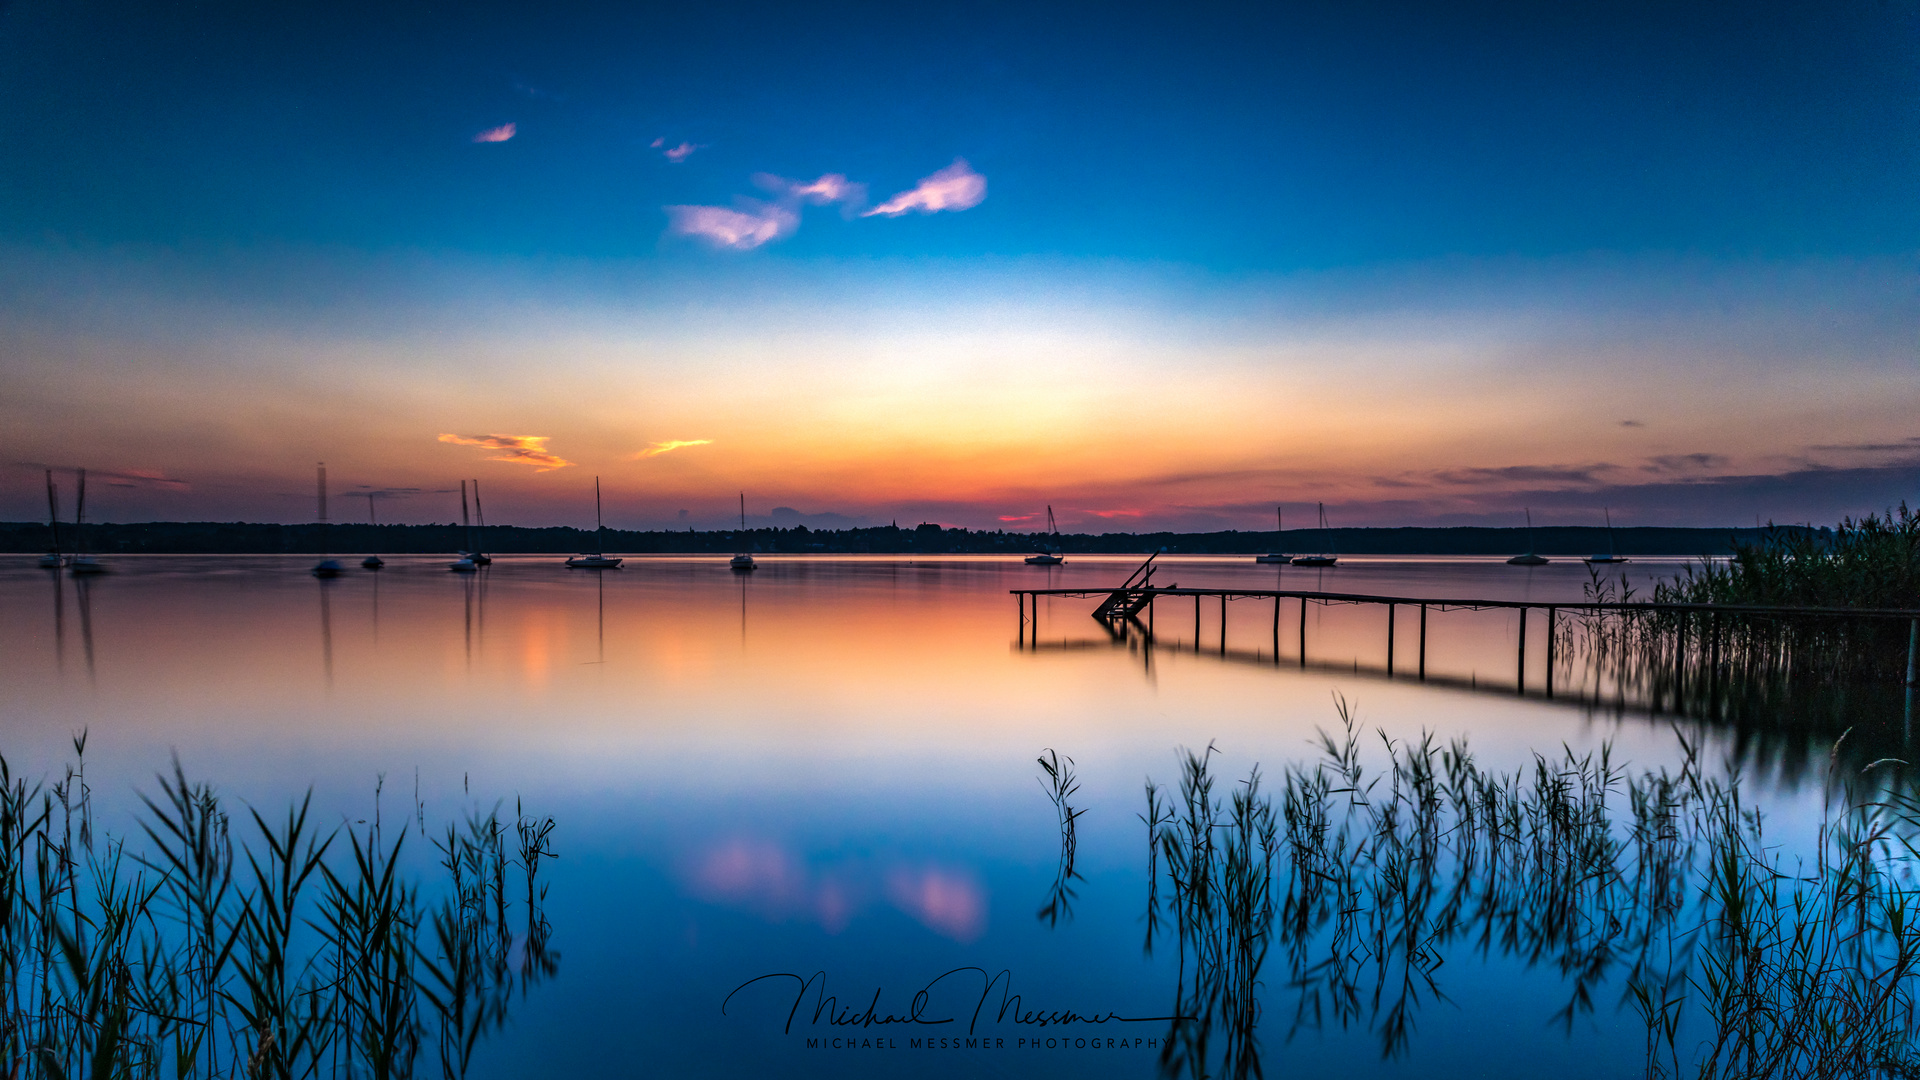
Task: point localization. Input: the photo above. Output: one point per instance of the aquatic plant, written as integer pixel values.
(1870, 563)
(1060, 785)
(1219, 862)
(293, 951)
(1658, 888)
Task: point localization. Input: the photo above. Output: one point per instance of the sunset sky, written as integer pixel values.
(1157, 266)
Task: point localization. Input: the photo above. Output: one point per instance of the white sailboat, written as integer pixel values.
(326, 567)
(1328, 558)
(1274, 557)
(372, 562)
(597, 559)
(479, 557)
(465, 564)
(1043, 555)
(742, 561)
(1529, 559)
(1612, 555)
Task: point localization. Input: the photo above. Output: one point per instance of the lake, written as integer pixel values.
(827, 769)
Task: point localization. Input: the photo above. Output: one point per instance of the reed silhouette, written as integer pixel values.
(291, 950)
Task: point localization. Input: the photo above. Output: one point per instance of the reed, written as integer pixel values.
(1060, 785)
(1658, 889)
(290, 951)
(1870, 563)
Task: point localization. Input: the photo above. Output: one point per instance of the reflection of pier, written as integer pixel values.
(1696, 628)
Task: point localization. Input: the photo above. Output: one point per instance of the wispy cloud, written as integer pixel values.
(519, 449)
(676, 154)
(139, 478)
(1683, 463)
(499, 134)
(656, 449)
(1906, 445)
(738, 230)
(1523, 474)
(1631, 423)
(956, 187)
(829, 189)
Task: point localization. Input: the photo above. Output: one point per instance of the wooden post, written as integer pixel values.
(1223, 624)
(1521, 679)
(1303, 631)
(1913, 653)
(1276, 629)
(1022, 599)
(1551, 612)
(1390, 641)
(1196, 622)
(1423, 643)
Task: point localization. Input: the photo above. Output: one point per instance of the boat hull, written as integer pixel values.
(593, 562)
(1273, 560)
(1527, 560)
(1315, 560)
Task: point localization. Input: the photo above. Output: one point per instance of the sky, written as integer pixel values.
(1156, 267)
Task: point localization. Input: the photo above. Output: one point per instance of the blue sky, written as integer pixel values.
(1723, 184)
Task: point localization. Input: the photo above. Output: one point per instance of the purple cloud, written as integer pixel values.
(736, 230)
(956, 187)
(675, 154)
(499, 134)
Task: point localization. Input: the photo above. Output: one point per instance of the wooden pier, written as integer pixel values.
(1137, 595)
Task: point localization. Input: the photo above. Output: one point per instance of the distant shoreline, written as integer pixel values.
(242, 538)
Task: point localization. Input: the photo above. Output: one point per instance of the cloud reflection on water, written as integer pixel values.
(779, 885)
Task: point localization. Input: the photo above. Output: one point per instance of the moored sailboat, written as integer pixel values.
(1274, 557)
(53, 559)
(1044, 555)
(1612, 555)
(326, 567)
(1326, 558)
(1529, 559)
(742, 561)
(596, 559)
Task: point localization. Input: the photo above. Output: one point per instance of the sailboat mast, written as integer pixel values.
(481, 513)
(80, 510)
(743, 511)
(466, 524)
(53, 513)
(599, 529)
(372, 519)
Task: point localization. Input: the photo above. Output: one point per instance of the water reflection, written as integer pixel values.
(850, 786)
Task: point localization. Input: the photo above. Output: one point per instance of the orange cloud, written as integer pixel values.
(499, 134)
(656, 449)
(519, 449)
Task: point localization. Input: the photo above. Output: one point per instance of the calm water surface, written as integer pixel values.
(827, 766)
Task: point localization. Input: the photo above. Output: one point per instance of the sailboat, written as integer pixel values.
(1325, 558)
(52, 560)
(372, 562)
(597, 559)
(1280, 526)
(465, 563)
(479, 557)
(743, 562)
(1043, 555)
(326, 567)
(1612, 555)
(81, 563)
(1529, 559)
